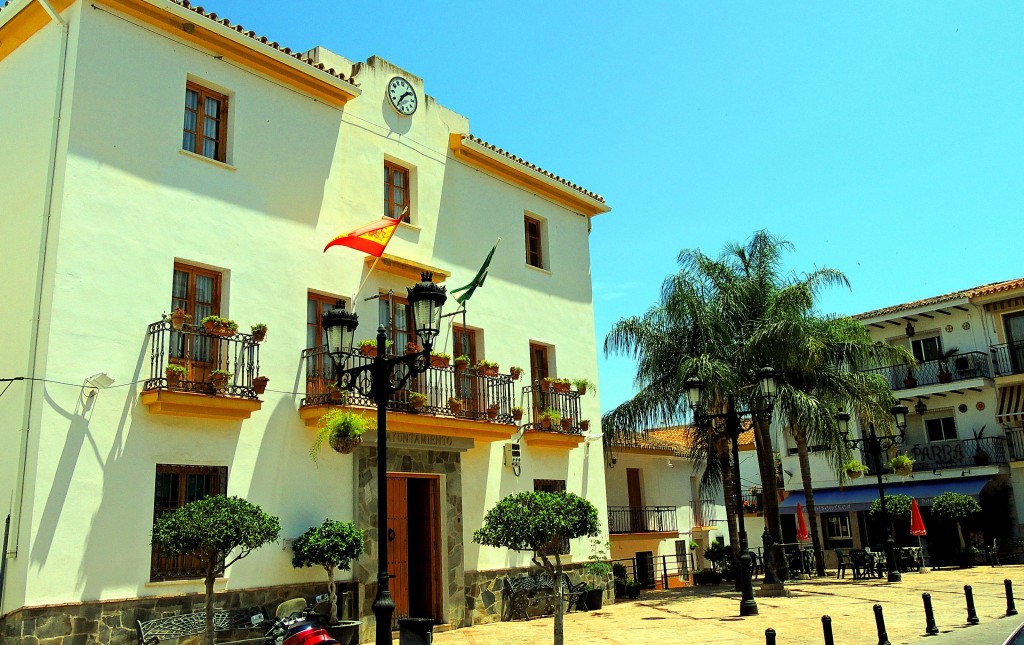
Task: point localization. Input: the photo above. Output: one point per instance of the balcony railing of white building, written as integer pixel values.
(642, 519)
(959, 367)
(539, 398)
(200, 353)
(1008, 358)
(478, 393)
(952, 453)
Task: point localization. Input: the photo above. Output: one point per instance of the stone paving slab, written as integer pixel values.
(711, 614)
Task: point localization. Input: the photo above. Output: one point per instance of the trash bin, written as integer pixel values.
(415, 631)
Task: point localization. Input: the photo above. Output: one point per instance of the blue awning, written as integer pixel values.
(859, 498)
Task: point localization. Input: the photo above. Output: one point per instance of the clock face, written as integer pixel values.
(402, 96)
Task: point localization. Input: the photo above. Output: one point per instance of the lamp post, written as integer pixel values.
(378, 381)
(769, 389)
(875, 446)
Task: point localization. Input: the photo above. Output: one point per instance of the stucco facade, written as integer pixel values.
(100, 202)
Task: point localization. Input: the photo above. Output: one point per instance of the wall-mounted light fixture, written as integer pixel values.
(910, 328)
(920, 407)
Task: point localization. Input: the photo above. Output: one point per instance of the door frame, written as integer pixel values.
(436, 547)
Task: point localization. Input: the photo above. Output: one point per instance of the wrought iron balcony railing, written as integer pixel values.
(959, 367)
(753, 503)
(952, 453)
(481, 396)
(1008, 358)
(200, 353)
(641, 519)
(1015, 444)
(539, 399)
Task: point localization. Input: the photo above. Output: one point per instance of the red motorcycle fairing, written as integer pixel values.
(308, 634)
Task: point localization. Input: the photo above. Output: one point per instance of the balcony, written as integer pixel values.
(199, 353)
(954, 453)
(960, 367)
(538, 398)
(642, 519)
(487, 400)
(1008, 358)
(753, 503)
(1015, 444)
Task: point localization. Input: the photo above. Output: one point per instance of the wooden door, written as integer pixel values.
(636, 500)
(398, 544)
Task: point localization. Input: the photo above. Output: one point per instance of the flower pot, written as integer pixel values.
(412, 348)
(562, 388)
(585, 425)
(566, 424)
(461, 365)
(345, 445)
(517, 415)
(904, 472)
(515, 374)
(217, 329)
(259, 384)
(909, 382)
(492, 412)
(173, 378)
(595, 599)
(455, 407)
(488, 371)
(417, 404)
(582, 390)
(259, 336)
(547, 385)
(439, 361)
(981, 457)
(178, 319)
(219, 382)
(368, 350)
(545, 423)
(945, 377)
(854, 474)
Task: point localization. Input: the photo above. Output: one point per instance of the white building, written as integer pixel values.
(113, 213)
(965, 424)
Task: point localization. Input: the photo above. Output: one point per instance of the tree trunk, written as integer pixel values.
(332, 591)
(210, 577)
(772, 521)
(728, 486)
(812, 513)
(559, 623)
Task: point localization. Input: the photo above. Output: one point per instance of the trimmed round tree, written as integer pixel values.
(332, 545)
(210, 529)
(898, 507)
(540, 522)
(955, 507)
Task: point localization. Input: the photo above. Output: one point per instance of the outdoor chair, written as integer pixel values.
(756, 565)
(842, 561)
(861, 564)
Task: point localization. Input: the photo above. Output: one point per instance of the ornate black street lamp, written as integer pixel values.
(378, 381)
(876, 446)
(769, 389)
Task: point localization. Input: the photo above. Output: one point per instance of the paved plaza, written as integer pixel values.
(710, 614)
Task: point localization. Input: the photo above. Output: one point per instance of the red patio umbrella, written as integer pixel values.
(801, 525)
(916, 521)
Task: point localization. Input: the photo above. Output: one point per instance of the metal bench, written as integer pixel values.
(537, 591)
(153, 631)
(1008, 549)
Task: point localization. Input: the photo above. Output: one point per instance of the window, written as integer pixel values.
(396, 316)
(940, 429)
(206, 117)
(553, 486)
(319, 367)
(538, 363)
(926, 349)
(175, 487)
(197, 291)
(534, 253)
(838, 533)
(396, 191)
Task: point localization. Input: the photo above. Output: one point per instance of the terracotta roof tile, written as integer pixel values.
(678, 439)
(973, 292)
(533, 167)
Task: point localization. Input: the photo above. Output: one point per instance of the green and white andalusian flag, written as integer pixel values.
(478, 281)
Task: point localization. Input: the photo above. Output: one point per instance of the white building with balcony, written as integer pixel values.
(159, 156)
(966, 408)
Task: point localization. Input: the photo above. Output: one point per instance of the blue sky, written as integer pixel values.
(882, 139)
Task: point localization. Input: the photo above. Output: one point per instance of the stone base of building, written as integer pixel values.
(485, 597)
(112, 622)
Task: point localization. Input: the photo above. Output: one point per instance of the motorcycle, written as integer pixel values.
(298, 624)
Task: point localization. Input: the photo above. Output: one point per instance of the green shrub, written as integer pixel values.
(332, 545)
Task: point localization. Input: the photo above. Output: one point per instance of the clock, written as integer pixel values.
(402, 96)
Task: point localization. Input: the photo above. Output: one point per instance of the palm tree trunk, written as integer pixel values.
(728, 486)
(772, 520)
(812, 513)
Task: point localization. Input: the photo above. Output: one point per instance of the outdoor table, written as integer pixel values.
(909, 558)
(877, 559)
(799, 556)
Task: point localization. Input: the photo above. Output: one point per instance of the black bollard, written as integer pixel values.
(972, 615)
(826, 627)
(883, 638)
(1011, 609)
(769, 636)
(929, 616)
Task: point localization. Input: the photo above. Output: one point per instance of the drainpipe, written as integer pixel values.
(48, 208)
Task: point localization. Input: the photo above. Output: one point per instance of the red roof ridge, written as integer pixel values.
(973, 292)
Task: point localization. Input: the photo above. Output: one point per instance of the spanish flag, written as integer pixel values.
(370, 239)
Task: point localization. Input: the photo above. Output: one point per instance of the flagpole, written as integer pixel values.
(355, 296)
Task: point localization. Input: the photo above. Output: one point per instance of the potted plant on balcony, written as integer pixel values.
(517, 413)
(981, 456)
(945, 376)
(412, 348)
(259, 384)
(562, 385)
(585, 425)
(515, 372)
(461, 362)
(440, 359)
(179, 319)
(549, 417)
(902, 465)
(217, 326)
(259, 332)
(417, 400)
(175, 375)
(566, 424)
(582, 384)
(343, 429)
(854, 468)
(492, 411)
(910, 381)
(548, 383)
(336, 395)
(219, 379)
(487, 368)
(369, 347)
(455, 404)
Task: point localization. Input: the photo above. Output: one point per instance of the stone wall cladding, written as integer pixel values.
(485, 596)
(113, 622)
(405, 460)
